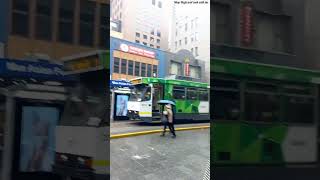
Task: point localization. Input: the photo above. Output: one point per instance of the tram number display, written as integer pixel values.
(84, 63)
(136, 81)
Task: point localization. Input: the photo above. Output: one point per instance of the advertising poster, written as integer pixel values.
(122, 101)
(38, 138)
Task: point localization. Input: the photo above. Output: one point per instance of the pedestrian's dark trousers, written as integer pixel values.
(171, 127)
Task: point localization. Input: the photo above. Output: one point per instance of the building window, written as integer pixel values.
(152, 31)
(153, 2)
(143, 69)
(123, 66)
(192, 39)
(272, 32)
(186, 27)
(180, 42)
(196, 51)
(176, 68)
(130, 67)
(116, 65)
(158, 41)
(151, 39)
(137, 41)
(149, 70)
(151, 45)
(104, 31)
(158, 47)
(66, 14)
(20, 17)
(192, 51)
(44, 19)
(137, 68)
(155, 70)
(144, 43)
(196, 36)
(145, 36)
(195, 72)
(137, 34)
(159, 4)
(185, 40)
(87, 12)
(158, 33)
(222, 20)
(196, 23)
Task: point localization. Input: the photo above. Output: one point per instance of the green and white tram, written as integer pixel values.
(191, 98)
(263, 114)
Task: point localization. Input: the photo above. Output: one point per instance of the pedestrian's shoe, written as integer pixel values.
(174, 136)
(162, 134)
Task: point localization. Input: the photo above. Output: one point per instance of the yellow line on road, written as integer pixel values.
(139, 133)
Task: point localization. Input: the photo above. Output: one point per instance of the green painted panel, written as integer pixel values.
(240, 68)
(251, 143)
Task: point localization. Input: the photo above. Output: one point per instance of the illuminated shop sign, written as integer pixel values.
(136, 50)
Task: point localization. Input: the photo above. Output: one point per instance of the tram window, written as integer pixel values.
(179, 93)
(147, 95)
(226, 105)
(298, 109)
(203, 95)
(261, 87)
(262, 107)
(291, 89)
(192, 94)
(225, 83)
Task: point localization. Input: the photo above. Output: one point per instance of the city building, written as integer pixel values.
(56, 28)
(281, 32)
(184, 65)
(191, 31)
(129, 60)
(144, 22)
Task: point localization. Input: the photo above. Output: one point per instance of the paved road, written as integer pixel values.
(161, 158)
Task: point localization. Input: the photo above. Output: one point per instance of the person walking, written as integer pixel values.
(168, 120)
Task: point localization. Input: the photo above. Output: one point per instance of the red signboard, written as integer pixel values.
(136, 50)
(186, 69)
(247, 23)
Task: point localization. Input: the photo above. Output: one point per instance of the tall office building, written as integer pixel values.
(146, 22)
(191, 31)
(56, 28)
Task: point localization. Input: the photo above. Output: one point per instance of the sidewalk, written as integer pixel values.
(129, 127)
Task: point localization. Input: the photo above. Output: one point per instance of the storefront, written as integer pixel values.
(130, 60)
(119, 97)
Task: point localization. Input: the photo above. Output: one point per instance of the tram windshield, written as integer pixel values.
(140, 92)
(84, 108)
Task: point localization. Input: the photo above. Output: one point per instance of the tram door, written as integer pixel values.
(157, 96)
